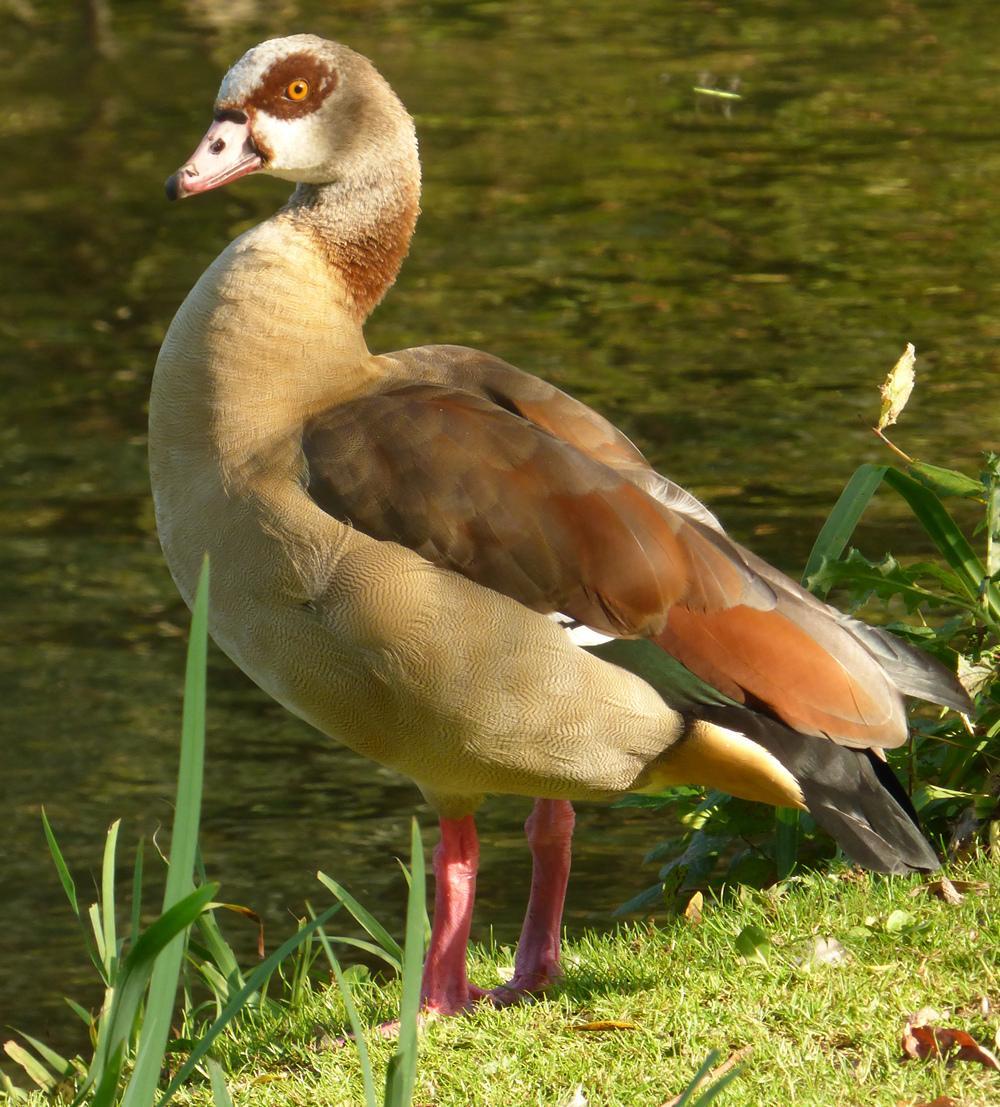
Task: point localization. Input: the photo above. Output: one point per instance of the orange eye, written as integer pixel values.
(298, 90)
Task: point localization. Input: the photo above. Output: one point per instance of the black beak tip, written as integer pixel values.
(172, 187)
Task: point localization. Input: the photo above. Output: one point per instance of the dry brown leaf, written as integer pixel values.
(941, 1101)
(951, 891)
(896, 388)
(922, 1039)
(602, 1026)
(942, 888)
(719, 1071)
(694, 908)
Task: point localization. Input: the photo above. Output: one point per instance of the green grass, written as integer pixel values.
(824, 1035)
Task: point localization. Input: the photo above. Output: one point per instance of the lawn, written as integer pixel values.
(822, 1030)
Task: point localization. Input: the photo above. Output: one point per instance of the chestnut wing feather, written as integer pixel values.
(476, 488)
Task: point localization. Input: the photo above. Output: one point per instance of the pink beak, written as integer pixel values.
(226, 152)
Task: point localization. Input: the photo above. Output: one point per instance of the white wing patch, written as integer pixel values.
(580, 634)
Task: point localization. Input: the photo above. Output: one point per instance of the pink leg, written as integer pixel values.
(550, 831)
(446, 989)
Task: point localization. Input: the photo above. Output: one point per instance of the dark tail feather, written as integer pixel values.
(850, 793)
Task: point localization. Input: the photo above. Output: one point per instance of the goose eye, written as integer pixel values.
(298, 90)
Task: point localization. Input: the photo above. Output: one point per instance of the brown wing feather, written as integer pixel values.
(478, 489)
(520, 393)
(529, 491)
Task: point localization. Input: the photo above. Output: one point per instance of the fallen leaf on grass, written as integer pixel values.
(823, 951)
(941, 1101)
(921, 1039)
(602, 1026)
(732, 1060)
(695, 905)
(951, 891)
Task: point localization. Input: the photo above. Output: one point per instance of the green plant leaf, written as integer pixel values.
(885, 579)
(898, 921)
(950, 541)
(945, 482)
(840, 523)
(753, 944)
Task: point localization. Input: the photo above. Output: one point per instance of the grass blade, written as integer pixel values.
(402, 1072)
(59, 1065)
(137, 892)
(840, 523)
(81, 1012)
(370, 947)
(991, 482)
(219, 950)
(718, 1087)
(786, 840)
(706, 1067)
(31, 1065)
(371, 1100)
(183, 849)
(366, 919)
(69, 887)
(108, 926)
(136, 970)
(97, 926)
(220, 1093)
(14, 1094)
(254, 983)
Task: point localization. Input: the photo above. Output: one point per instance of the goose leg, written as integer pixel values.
(445, 989)
(549, 830)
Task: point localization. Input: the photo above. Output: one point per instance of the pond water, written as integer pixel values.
(729, 283)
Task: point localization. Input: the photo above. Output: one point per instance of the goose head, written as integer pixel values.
(306, 110)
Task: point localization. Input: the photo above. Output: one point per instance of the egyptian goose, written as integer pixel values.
(458, 570)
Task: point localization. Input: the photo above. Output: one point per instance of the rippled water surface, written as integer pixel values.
(729, 285)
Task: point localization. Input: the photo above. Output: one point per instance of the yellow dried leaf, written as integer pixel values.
(896, 388)
(695, 906)
(602, 1026)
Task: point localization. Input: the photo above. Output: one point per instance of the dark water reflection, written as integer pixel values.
(728, 287)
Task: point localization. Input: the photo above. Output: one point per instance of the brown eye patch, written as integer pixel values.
(294, 71)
